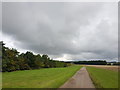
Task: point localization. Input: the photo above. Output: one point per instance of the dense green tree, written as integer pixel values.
(30, 59)
(38, 61)
(12, 60)
(23, 65)
(45, 59)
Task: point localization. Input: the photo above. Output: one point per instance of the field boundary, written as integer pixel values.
(103, 78)
(95, 82)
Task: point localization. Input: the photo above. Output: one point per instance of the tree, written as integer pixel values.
(30, 58)
(45, 59)
(38, 62)
(22, 64)
(12, 60)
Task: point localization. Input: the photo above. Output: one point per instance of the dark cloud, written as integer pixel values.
(70, 30)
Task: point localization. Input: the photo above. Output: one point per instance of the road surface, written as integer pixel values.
(80, 80)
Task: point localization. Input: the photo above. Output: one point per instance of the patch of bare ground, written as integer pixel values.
(108, 67)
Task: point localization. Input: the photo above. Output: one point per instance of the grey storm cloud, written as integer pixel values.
(82, 30)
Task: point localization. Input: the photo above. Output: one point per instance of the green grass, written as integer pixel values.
(103, 78)
(41, 78)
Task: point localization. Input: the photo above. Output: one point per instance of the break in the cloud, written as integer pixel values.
(69, 31)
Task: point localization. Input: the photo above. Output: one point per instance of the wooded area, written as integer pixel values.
(94, 62)
(12, 60)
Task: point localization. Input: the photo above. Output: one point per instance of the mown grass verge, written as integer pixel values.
(41, 78)
(103, 78)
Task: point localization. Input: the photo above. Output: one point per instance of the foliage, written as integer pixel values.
(98, 62)
(12, 60)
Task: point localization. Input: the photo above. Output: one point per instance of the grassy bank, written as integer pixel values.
(41, 78)
(103, 78)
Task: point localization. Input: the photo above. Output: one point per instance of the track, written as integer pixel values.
(80, 80)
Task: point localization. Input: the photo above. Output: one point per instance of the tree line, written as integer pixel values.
(12, 60)
(94, 62)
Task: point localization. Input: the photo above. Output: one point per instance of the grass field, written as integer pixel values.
(41, 78)
(103, 78)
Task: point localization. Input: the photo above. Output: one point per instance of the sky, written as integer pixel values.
(62, 30)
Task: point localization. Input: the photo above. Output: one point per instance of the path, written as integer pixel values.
(80, 80)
